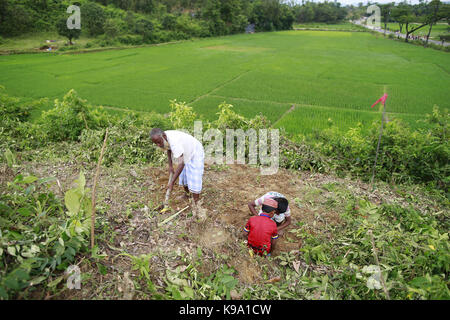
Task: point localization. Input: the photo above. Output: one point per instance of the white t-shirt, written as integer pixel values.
(181, 144)
(272, 194)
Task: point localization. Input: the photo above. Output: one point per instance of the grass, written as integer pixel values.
(36, 40)
(335, 75)
(344, 26)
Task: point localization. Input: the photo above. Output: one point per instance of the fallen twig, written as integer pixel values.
(172, 216)
(94, 188)
(374, 249)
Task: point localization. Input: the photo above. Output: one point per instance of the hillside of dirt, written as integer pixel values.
(127, 196)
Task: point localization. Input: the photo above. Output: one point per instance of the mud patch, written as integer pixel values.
(214, 237)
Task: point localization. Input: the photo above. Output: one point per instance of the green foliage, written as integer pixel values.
(37, 236)
(228, 119)
(62, 29)
(182, 116)
(68, 119)
(412, 248)
(111, 28)
(12, 108)
(191, 284)
(93, 18)
(128, 140)
(16, 132)
(405, 154)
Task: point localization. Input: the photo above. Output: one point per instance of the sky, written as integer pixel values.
(355, 2)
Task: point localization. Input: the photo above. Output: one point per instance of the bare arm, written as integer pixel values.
(252, 207)
(273, 242)
(177, 173)
(285, 224)
(169, 155)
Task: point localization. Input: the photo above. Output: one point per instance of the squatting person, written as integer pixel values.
(282, 217)
(262, 230)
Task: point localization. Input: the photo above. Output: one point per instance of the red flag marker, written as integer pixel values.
(382, 100)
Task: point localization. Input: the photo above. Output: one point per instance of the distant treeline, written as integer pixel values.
(325, 12)
(147, 18)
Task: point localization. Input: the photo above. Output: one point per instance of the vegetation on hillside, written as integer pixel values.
(42, 232)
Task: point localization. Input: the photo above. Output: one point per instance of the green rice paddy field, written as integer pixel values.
(335, 75)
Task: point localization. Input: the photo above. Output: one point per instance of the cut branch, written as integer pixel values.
(94, 188)
(374, 249)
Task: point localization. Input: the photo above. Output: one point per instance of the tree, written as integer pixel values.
(399, 13)
(70, 34)
(386, 14)
(144, 27)
(93, 18)
(111, 28)
(434, 16)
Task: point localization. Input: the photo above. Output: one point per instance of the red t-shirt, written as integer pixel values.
(261, 229)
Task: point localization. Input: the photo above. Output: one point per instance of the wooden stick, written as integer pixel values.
(166, 199)
(173, 216)
(386, 292)
(94, 188)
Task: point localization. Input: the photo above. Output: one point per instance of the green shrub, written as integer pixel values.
(37, 236)
(182, 116)
(406, 155)
(67, 120)
(16, 133)
(128, 140)
(13, 108)
(131, 39)
(228, 119)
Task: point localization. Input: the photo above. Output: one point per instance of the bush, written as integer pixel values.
(111, 28)
(67, 120)
(128, 140)
(12, 108)
(182, 116)
(48, 237)
(405, 155)
(16, 133)
(93, 18)
(228, 119)
(131, 39)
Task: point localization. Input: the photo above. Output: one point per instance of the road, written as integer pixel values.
(401, 35)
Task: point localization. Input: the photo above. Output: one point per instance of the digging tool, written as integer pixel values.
(165, 206)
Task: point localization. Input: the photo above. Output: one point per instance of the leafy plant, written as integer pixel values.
(36, 237)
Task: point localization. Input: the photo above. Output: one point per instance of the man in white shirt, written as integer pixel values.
(189, 154)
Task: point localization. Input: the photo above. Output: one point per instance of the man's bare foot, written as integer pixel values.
(184, 196)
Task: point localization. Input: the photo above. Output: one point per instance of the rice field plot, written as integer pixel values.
(306, 119)
(259, 73)
(207, 107)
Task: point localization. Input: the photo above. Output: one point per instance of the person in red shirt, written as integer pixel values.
(262, 230)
